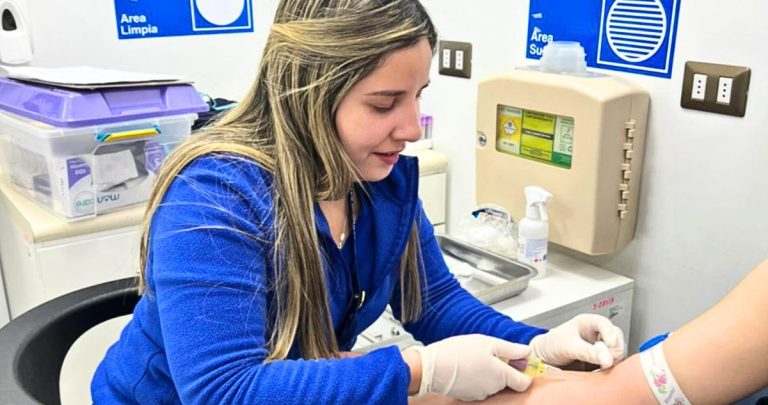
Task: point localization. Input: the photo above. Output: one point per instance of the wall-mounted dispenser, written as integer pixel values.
(578, 134)
(15, 35)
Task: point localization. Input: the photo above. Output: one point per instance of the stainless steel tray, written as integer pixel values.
(512, 275)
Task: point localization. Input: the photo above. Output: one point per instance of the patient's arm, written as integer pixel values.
(722, 355)
(719, 357)
(623, 383)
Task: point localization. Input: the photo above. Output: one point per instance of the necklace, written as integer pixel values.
(349, 212)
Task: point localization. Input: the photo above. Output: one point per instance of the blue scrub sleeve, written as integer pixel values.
(208, 273)
(448, 309)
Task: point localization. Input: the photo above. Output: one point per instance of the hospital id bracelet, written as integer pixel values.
(659, 377)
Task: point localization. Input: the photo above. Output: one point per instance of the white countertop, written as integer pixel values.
(567, 280)
(42, 225)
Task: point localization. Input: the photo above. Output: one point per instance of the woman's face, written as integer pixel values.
(381, 112)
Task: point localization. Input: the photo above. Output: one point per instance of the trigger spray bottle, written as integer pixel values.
(533, 232)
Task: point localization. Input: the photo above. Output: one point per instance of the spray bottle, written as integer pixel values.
(533, 231)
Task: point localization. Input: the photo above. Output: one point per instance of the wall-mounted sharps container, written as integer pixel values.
(577, 134)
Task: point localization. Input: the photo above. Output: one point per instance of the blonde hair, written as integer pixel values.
(316, 51)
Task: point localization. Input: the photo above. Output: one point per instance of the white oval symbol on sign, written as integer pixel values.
(220, 12)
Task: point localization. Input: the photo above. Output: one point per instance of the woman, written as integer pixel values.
(277, 235)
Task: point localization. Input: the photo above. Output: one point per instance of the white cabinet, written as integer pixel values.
(100, 258)
(433, 196)
(38, 272)
(433, 182)
(44, 257)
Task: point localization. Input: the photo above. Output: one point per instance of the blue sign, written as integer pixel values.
(170, 18)
(636, 36)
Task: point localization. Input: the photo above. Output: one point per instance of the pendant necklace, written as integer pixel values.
(350, 211)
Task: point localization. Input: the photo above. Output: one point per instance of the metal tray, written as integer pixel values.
(512, 275)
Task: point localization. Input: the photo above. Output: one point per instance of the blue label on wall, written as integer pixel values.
(169, 18)
(635, 36)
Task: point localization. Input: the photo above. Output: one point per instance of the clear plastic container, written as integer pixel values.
(491, 227)
(563, 57)
(82, 152)
(81, 172)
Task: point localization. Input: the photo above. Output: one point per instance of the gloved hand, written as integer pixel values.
(580, 339)
(470, 367)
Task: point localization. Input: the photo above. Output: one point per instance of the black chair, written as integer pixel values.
(33, 346)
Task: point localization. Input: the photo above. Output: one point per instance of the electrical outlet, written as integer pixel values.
(445, 62)
(455, 59)
(724, 86)
(715, 88)
(699, 86)
(459, 65)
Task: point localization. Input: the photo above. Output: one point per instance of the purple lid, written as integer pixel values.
(62, 107)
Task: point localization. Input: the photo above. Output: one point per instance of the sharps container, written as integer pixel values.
(578, 134)
(85, 152)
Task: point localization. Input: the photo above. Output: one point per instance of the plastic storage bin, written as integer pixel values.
(81, 170)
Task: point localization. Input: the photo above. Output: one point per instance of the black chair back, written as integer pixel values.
(33, 346)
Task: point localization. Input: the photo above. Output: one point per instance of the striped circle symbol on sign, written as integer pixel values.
(636, 28)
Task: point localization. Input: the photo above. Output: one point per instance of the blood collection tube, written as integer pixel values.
(531, 366)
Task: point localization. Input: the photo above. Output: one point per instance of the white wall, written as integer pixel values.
(700, 226)
(83, 32)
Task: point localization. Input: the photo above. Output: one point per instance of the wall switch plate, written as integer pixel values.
(715, 88)
(455, 59)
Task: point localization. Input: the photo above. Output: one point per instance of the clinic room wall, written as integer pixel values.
(83, 32)
(702, 220)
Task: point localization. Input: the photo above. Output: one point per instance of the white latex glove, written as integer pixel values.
(470, 367)
(586, 337)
